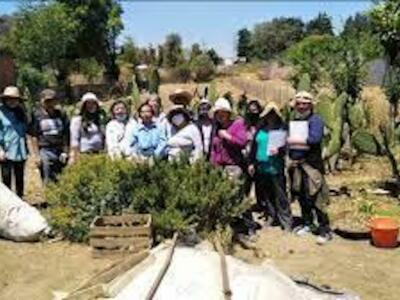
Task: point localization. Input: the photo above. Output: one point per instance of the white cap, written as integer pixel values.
(222, 104)
(204, 101)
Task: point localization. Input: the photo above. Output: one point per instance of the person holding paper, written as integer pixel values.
(307, 169)
(266, 165)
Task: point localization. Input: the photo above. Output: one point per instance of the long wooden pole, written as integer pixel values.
(164, 269)
(225, 279)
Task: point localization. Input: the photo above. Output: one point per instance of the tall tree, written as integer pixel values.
(244, 43)
(173, 52)
(320, 25)
(271, 38)
(216, 59)
(99, 26)
(129, 52)
(385, 19)
(195, 51)
(42, 36)
(355, 25)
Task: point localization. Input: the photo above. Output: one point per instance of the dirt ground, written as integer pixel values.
(33, 271)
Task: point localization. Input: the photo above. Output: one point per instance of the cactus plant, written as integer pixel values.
(357, 116)
(212, 91)
(304, 83)
(364, 142)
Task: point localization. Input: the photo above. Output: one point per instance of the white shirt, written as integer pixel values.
(186, 139)
(206, 129)
(115, 132)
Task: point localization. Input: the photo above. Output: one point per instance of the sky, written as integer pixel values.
(214, 23)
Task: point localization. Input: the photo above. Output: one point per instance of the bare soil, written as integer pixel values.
(33, 270)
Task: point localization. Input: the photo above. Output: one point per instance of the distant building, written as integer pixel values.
(229, 61)
(7, 70)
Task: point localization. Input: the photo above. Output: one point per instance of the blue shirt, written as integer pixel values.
(315, 136)
(145, 140)
(13, 135)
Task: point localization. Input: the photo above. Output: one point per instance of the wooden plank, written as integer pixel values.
(121, 242)
(126, 219)
(92, 292)
(99, 253)
(120, 231)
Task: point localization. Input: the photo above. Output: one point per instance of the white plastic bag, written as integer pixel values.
(19, 221)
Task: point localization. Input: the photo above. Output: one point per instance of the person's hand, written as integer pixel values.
(295, 141)
(273, 151)
(223, 134)
(251, 170)
(2, 155)
(63, 158)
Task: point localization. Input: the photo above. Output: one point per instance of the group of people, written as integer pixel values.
(243, 146)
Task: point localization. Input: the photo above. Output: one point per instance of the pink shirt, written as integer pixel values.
(225, 152)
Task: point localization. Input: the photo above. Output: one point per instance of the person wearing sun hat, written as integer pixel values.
(307, 170)
(87, 129)
(229, 138)
(13, 142)
(266, 166)
(50, 136)
(185, 137)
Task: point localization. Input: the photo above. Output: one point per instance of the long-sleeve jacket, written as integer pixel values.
(313, 156)
(187, 139)
(224, 152)
(13, 132)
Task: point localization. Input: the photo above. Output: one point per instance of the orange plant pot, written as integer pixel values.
(384, 232)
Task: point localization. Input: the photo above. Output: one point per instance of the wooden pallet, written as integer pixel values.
(120, 235)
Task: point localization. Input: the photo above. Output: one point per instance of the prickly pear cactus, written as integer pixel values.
(331, 111)
(365, 142)
(357, 116)
(212, 91)
(304, 83)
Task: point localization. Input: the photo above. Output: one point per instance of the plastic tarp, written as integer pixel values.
(19, 221)
(196, 274)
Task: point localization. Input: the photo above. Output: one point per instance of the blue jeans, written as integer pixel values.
(51, 166)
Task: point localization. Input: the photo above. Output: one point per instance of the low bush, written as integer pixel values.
(178, 195)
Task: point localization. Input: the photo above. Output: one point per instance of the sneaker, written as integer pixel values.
(302, 230)
(324, 238)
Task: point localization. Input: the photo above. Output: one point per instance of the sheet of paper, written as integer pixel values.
(298, 130)
(276, 140)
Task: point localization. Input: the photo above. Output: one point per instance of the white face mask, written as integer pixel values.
(178, 120)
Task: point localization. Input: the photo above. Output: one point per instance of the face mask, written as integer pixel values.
(178, 120)
(121, 117)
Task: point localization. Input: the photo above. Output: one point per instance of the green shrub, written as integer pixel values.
(177, 194)
(203, 68)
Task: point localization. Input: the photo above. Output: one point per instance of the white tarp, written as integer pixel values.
(195, 274)
(19, 221)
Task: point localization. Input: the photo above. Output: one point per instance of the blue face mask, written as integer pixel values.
(121, 117)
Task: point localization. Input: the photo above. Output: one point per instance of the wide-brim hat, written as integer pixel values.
(303, 97)
(181, 96)
(176, 109)
(271, 107)
(48, 94)
(11, 92)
